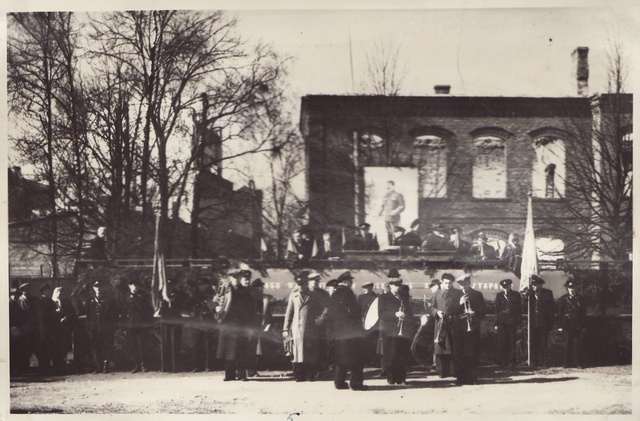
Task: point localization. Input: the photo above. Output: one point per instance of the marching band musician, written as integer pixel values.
(395, 313)
(444, 307)
(466, 348)
(542, 317)
(508, 317)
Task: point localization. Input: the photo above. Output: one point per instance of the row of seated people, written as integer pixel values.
(302, 246)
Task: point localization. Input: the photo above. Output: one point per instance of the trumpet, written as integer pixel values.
(468, 313)
(401, 319)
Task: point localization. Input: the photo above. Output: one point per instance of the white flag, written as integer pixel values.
(529, 253)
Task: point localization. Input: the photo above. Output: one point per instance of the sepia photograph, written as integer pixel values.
(264, 210)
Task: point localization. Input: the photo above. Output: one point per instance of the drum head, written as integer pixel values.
(372, 315)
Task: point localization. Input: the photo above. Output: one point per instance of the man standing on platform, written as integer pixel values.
(572, 315)
(444, 307)
(542, 315)
(392, 207)
(348, 333)
(466, 347)
(508, 317)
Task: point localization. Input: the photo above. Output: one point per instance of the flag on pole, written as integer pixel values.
(344, 238)
(291, 248)
(529, 253)
(315, 249)
(263, 244)
(159, 278)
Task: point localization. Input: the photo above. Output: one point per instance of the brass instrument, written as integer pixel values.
(440, 328)
(401, 319)
(468, 313)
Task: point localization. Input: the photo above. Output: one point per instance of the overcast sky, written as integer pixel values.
(486, 52)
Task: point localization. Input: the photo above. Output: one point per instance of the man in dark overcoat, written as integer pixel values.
(46, 313)
(395, 314)
(27, 302)
(348, 334)
(202, 311)
(17, 343)
(102, 318)
(236, 318)
(139, 316)
(445, 307)
(466, 345)
(571, 318)
(542, 314)
(508, 306)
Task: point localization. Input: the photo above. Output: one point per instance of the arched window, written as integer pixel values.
(489, 168)
(550, 248)
(548, 168)
(432, 165)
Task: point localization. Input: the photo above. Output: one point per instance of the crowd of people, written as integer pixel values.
(329, 246)
(326, 331)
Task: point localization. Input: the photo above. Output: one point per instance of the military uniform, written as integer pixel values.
(139, 315)
(571, 318)
(46, 314)
(102, 317)
(508, 306)
(542, 317)
(392, 206)
(203, 330)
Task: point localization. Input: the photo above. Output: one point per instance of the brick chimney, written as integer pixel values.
(581, 62)
(442, 89)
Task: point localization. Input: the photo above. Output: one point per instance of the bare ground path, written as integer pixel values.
(599, 390)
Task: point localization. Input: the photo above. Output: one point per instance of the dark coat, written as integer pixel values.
(447, 301)
(65, 325)
(391, 328)
(410, 239)
(302, 320)
(347, 326)
(466, 342)
(335, 250)
(542, 308)
(97, 249)
(236, 321)
(489, 252)
(102, 314)
(46, 313)
(138, 310)
(572, 312)
(508, 308)
(434, 242)
(366, 243)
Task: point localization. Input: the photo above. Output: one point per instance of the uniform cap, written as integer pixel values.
(393, 273)
(368, 285)
(331, 283)
(506, 282)
(536, 280)
(345, 276)
(464, 279)
(314, 276)
(257, 283)
(570, 283)
(434, 282)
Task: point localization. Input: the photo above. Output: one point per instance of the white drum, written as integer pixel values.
(371, 319)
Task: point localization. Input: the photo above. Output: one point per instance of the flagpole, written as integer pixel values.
(529, 267)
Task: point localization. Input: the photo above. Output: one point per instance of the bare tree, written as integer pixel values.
(36, 72)
(386, 70)
(598, 196)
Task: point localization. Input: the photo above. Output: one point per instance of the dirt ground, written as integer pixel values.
(600, 390)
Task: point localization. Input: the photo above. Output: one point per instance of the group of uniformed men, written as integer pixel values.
(323, 329)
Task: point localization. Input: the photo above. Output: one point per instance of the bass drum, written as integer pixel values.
(371, 319)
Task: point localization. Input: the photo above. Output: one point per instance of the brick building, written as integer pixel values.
(459, 161)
